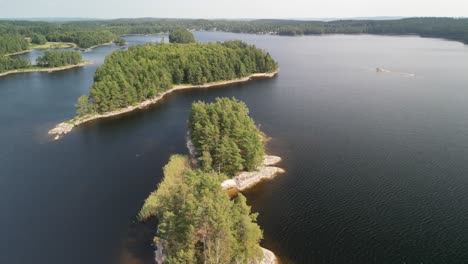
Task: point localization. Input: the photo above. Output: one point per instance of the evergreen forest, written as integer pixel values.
(143, 72)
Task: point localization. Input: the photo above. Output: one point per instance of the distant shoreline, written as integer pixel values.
(65, 127)
(53, 69)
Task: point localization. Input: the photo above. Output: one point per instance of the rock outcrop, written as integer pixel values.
(268, 257)
(245, 180)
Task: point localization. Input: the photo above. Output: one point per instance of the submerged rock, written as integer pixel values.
(61, 129)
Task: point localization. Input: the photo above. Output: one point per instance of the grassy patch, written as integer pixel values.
(54, 45)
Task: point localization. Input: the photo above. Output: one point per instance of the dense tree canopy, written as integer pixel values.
(83, 38)
(59, 58)
(38, 39)
(8, 64)
(225, 137)
(80, 34)
(12, 44)
(143, 72)
(198, 222)
(181, 36)
(120, 41)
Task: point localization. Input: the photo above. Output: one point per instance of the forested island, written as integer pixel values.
(143, 72)
(50, 62)
(142, 75)
(13, 44)
(224, 137)
(181, 36)
(58, 59)
(198, 222)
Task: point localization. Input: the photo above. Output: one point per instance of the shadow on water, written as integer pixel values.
(137, 247)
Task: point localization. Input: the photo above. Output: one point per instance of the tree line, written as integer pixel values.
(50, 59)
(198, 222)
(8, 64)
(59, 58)
(225, 138)
(12, 43)
(38, 39)
(80, 34)
(82, 38)
(87, 33)
(142, 72)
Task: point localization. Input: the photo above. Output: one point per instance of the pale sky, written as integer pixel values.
(231, 8)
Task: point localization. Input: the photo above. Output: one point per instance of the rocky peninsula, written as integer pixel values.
(247, 179)
(65, 127)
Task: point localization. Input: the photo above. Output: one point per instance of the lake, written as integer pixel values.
(377, 162)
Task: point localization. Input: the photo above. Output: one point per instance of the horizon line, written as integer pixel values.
(238, 18)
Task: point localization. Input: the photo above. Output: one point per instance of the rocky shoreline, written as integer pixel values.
(268, 257)
(242, 181)
(65, 127)
(247, 179)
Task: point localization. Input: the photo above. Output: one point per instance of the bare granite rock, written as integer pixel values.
(245, 180)
(268, 257)
(159, 254)
(61, 129)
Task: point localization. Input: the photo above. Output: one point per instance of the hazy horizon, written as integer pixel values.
(223, 9)
(325, 19)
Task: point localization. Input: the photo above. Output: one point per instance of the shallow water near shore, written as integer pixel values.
(376, 163)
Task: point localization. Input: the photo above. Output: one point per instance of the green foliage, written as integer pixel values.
(8, 64)
(225, 137)
(38, 39)
(178, 165)
(59, 58)
(82, 38)
(12, 44)
(181, 36)
(83, 107)
(143, 72)
(121, 42)
(198, 223)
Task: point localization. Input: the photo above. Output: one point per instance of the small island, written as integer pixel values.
(181, 35)
(225, 139)
(140, 76)
(50, 62)
(198, 220)
(15, 44)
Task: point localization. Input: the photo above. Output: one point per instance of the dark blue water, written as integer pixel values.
(377, 163)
